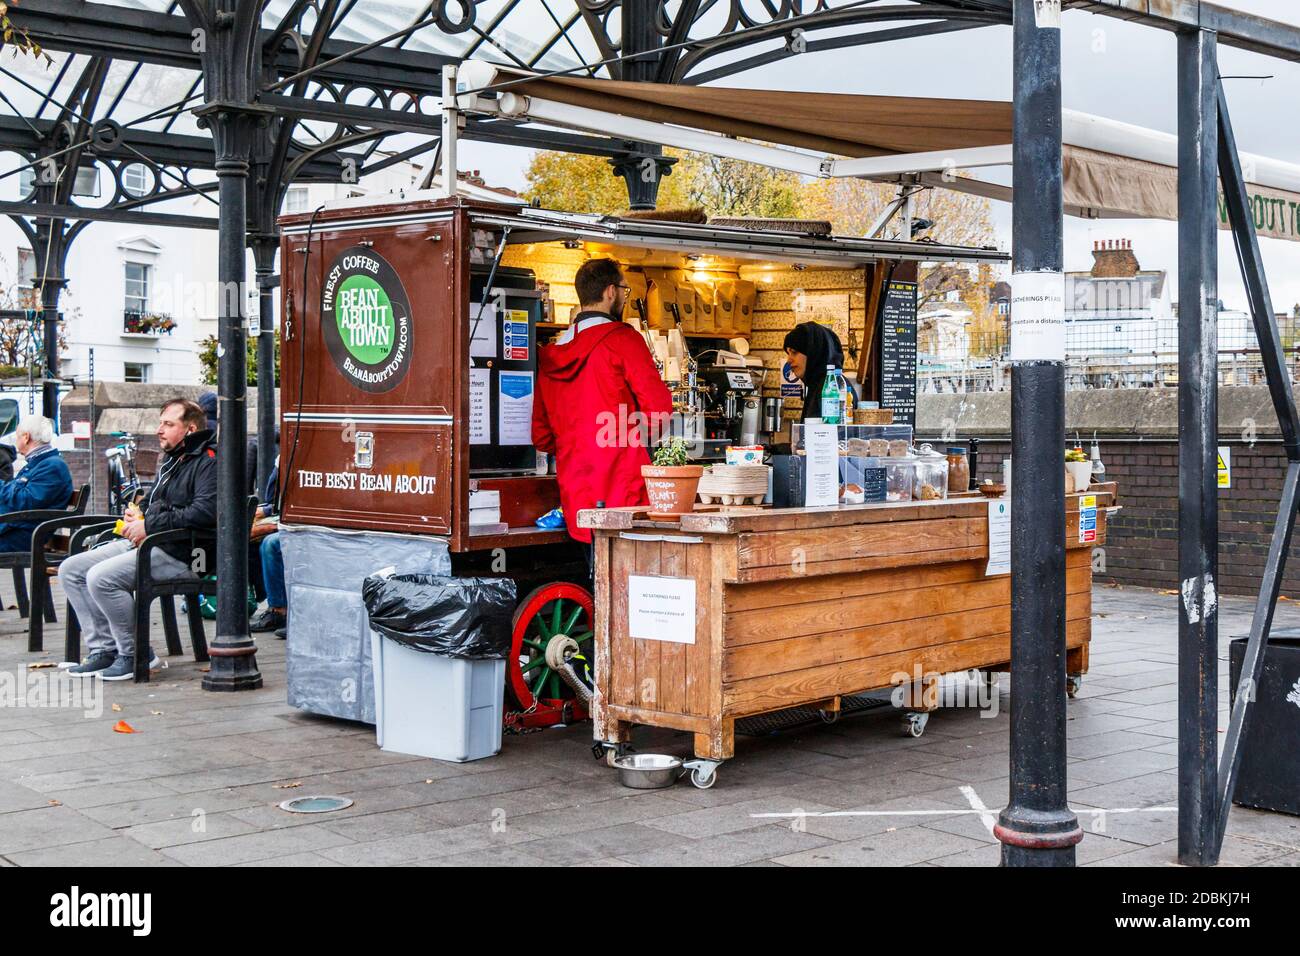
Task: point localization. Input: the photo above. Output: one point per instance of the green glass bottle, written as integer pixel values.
(831, 398)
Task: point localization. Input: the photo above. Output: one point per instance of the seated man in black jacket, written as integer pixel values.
(100, 583)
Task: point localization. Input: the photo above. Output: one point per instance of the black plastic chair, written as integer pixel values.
(41, 601)
(52, 542)
(147, 589)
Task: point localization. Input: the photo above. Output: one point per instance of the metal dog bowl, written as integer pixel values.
(648, 771)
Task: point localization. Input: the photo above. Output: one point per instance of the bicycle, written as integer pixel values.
(124, 485)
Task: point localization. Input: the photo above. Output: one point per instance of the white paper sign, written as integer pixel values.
(515, 408)
(661, 609)
(81, 429)
(999, 537)
(1038, 317)
(1047, 13)
(822, 452)
(480, 394)
(484, 332)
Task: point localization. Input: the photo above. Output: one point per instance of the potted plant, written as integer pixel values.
(1078, 470)
(670, 481)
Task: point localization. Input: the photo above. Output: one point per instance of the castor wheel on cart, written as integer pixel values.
(1072, 684)
(914, 724)
(608, 752)
(704, 773)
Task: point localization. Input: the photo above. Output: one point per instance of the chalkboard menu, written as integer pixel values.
(898, 351)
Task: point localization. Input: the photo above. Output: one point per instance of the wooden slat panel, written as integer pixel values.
(1072, 542)
(792, 548)
(898, 604)
(647, 653)
(660, 718)
(779, 572)
(622, 672)
(872, 640)
(723, 560)
(1078, 603)
(672, 657)
(600, 703)
(774, 692)
(834, 587)
(699, 563)
(807, 620)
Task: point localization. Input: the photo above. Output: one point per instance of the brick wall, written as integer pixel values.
(1142, 538)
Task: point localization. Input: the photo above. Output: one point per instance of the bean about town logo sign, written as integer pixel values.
(366, 320)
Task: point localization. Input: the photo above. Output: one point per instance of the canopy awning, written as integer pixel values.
(1111, 169)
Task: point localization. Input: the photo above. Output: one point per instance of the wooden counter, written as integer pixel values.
(801, 606)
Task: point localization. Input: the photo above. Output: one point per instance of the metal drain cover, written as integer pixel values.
(315, 804)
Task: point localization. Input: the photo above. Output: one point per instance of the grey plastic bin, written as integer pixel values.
(428, 705)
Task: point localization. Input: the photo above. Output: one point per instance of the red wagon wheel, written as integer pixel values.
(559, 608)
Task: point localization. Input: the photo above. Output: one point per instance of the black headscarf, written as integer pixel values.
(822, 348)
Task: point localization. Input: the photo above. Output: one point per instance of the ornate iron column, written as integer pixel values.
(1037, 828)
(230, 29)
(645, 166)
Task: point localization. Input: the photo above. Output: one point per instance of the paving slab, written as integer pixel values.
(200, 784)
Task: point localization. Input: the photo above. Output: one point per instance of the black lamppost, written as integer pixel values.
(1037, 828)
(230, 32)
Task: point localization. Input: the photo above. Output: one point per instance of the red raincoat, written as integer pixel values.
(596, 396)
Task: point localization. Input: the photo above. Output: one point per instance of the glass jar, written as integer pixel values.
(958, 470)
(931, 475)
(900, 478)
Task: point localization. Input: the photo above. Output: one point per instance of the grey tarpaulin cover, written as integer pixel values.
(327, 659)
(452, 617)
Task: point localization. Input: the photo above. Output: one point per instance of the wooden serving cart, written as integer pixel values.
(799, 607)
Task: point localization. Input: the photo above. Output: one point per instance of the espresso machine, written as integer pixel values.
(730, 409)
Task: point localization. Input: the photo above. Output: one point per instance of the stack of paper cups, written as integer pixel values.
(676, 344)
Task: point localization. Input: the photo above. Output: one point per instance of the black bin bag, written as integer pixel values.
(453, 617)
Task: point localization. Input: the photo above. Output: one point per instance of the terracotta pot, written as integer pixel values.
(671, 489)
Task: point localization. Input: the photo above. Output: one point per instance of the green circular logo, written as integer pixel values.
(365, 318)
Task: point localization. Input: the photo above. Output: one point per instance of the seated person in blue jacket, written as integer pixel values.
(44, 482)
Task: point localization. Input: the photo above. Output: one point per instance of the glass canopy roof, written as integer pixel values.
(571, 36)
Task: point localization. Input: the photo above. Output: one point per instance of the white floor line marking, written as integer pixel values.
(973, 798)
(941, 813)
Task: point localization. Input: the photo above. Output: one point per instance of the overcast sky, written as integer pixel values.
(1111, 68)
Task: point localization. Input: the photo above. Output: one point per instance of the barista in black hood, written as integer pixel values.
(809, 348)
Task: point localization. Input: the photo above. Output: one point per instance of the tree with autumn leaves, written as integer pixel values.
(732, 187)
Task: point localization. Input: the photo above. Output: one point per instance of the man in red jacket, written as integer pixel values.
(600, 400)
